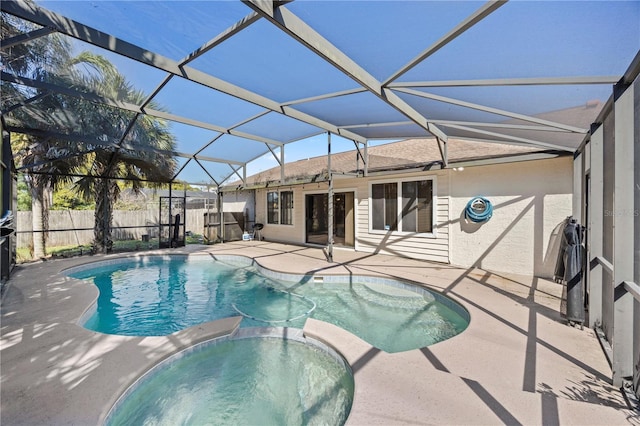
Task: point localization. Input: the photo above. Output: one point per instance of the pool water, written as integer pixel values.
(162, 295)
(248, 381)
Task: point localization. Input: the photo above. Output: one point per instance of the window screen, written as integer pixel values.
(384, 212)
(415, 201)
(417, 206)
(280, 208)
(272, 207)
(286, 208)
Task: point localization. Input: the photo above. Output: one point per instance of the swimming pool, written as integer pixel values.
(256, 377)
(158, 295)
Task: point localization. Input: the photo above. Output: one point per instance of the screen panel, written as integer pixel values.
(171, 28)
(540, 39)
(266, 61)
(358, 108)
(234, 148)
(279, 127)
(382, 36)
(192, 100)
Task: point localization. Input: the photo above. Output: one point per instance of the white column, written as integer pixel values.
(282, 176)
(596, 211)
(623, 211)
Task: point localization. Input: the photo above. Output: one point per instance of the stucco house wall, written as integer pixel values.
(531, 199)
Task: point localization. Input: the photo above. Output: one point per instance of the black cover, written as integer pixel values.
(569, 270)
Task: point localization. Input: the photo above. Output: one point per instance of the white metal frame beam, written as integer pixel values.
(99, 140)
(138, 109)
(113, 44)
(534, 81)
(325, 96)
(491, 110)
(463, 26)
(541, 128)
(299, 30)
(508, 138)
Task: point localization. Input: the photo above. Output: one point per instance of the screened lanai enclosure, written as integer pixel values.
(104, 97)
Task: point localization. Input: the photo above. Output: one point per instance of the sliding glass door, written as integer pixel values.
(317, 219)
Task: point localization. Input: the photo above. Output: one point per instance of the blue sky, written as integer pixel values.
(536, 39)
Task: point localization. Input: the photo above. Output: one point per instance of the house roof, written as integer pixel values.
(401, 155)
(424, 152)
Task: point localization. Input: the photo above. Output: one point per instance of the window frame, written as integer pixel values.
(399, 209)
(279, 209)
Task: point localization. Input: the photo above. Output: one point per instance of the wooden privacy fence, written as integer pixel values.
(75, 227)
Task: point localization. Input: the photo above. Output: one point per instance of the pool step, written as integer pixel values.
(392, 297)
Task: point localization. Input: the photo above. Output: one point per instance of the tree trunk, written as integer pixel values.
(37, 215)
(47, 202)
(104, 216)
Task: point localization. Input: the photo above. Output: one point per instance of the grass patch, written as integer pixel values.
(23, 254)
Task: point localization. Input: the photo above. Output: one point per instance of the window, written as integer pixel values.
(414, 199)
(417, 211)
(273, 206)
(385, 206)
(286, 208)
(280, 208)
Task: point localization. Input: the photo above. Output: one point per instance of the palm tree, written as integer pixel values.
(52, 160)
(42, 59)
(124, 162)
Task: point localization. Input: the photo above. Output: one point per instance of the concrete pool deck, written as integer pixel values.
(517, 362)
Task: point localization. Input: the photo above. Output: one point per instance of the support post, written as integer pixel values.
(623, 216)
(282, 177)
(221, 212)
(170, 219)
(596, 210)
(636, 243)
(7, 203)
(366, 158)
(105, 215)
(330, 201)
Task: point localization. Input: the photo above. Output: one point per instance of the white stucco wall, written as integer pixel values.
(530, 200)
